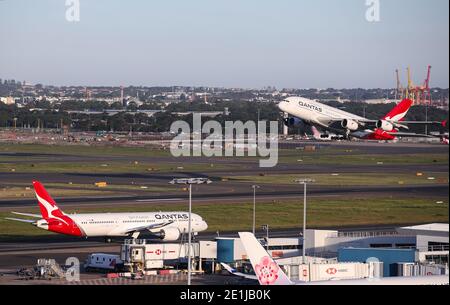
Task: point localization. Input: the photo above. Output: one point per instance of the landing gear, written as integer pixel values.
(347, 135)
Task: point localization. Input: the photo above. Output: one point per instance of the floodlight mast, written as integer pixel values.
(190, 181)
(304, 181)
(254, 187)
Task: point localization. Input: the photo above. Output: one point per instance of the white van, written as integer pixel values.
(101, 261)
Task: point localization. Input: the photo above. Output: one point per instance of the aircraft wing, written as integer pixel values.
(337, 119)
(149, 227)
(21, 220)
(27, 214)
(234, 272)
(363, 122)
(373, 123)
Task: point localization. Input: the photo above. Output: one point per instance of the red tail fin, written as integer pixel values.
(399, 112)
(57, 221)
(47, 205)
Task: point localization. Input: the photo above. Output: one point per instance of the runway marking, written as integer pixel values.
(152, 200)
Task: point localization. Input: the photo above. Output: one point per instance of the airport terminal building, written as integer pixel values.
(407, 251)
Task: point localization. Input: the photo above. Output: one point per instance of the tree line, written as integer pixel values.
(48, 116)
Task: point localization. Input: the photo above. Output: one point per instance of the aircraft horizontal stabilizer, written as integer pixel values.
(443, 124)
(27, 214)
(410, 135)
(240, 274)
(22, 220)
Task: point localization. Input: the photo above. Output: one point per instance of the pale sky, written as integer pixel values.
(224, 43)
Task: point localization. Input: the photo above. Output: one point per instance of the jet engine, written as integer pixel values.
(350, 125)
(169, 234)
(293, 122)
(385, 125)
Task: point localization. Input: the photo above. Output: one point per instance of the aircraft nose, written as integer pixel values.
(204, 226)
(282, 106)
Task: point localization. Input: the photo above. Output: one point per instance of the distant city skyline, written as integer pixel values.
(225, 43)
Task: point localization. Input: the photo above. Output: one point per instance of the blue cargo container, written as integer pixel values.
(225, 250)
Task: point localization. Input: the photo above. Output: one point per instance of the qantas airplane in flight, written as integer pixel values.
(268, 272)
(350, 125)
(168, 226)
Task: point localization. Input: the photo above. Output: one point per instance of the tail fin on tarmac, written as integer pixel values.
(316, 133)
(267, 270)
(399, 112)
(47, 205)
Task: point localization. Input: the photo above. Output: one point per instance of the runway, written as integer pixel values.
(249, 170)
(373, 148)
(281, 192)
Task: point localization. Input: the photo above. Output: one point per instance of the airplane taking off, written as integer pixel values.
(268, 272)
(168, 226)
(350, 125)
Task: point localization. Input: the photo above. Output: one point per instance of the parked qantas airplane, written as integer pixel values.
(168, 226)
(269, 273)
(350, 125)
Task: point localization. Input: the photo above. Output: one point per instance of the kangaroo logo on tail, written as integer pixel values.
(47, 205)
(56, 219)
(400, 111)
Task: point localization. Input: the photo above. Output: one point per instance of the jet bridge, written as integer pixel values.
(142, 255)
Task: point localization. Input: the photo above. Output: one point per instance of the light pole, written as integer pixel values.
(190, 182)
(304, 182)
(254, 187)
(257, 126)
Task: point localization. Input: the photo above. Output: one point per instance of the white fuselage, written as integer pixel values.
(386, 281)
(315, 113)
(118, 224)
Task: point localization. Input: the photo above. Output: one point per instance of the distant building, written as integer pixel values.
(380, 101)
(8, 100)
